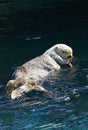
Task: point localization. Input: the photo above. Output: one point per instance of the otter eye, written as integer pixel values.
(63, 51)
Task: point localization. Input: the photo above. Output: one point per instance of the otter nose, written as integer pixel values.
(69, 56)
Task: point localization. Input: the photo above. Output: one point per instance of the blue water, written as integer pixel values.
(23, 38)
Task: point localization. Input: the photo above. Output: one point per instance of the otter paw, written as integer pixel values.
(9, 86)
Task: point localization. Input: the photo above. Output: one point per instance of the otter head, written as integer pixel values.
(65, 53)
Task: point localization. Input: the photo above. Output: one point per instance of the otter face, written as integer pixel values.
(67, 55)
(65, 52)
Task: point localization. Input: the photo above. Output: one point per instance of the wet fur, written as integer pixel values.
(34, 71)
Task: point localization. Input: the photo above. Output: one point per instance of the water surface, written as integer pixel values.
(27, 34)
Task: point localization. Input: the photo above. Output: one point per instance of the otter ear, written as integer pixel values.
(10, 86)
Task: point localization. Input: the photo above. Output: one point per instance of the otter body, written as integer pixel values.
(28, 76)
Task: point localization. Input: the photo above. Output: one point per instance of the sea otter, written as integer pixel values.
(28, 76)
